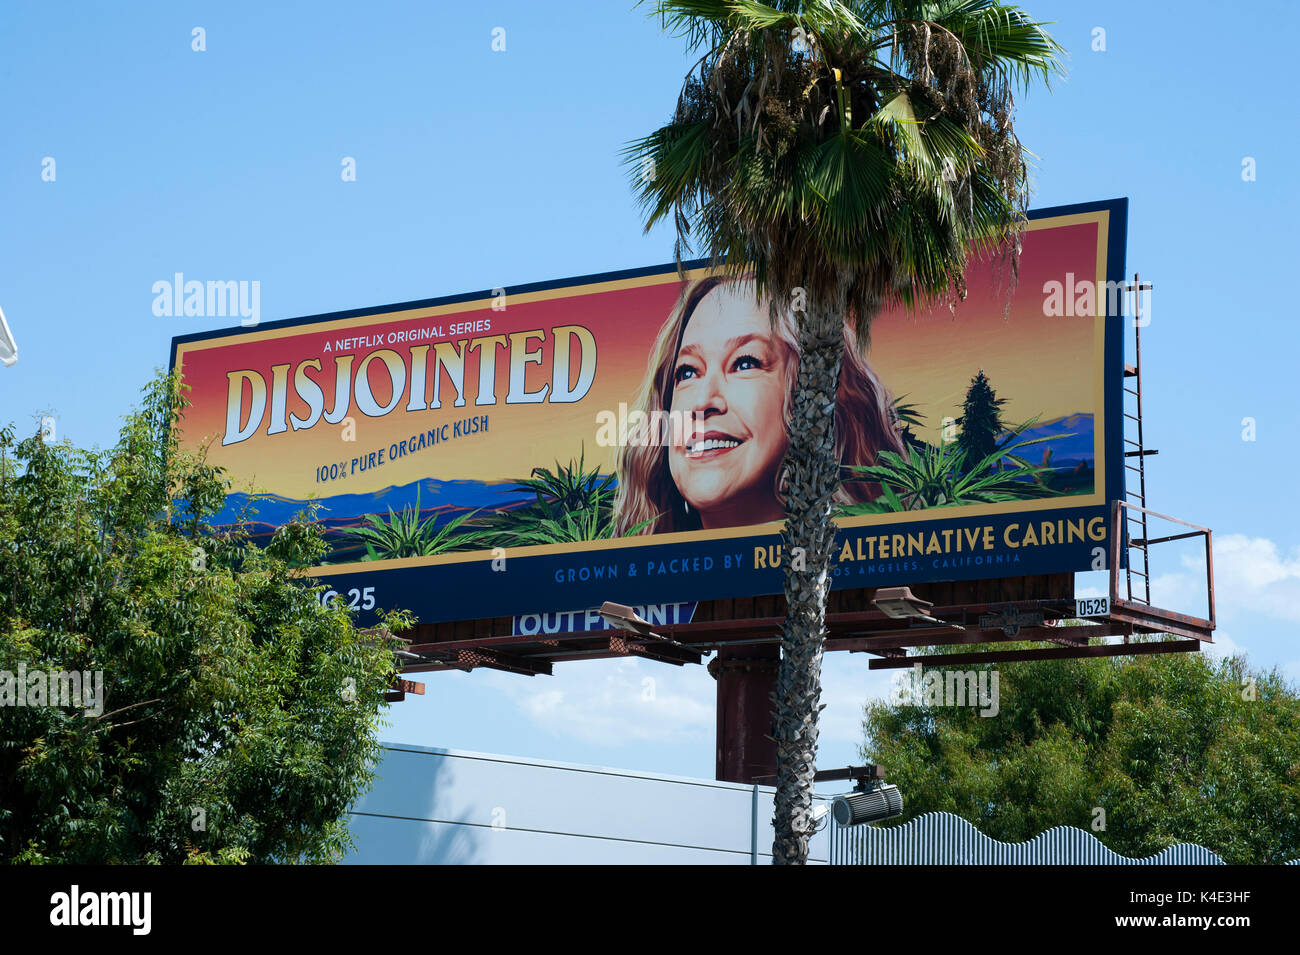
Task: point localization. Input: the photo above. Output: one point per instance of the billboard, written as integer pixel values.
(621, 436)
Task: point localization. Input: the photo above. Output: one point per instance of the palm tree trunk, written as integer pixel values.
(812, 471)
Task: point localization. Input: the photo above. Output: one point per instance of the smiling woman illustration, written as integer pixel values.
(725, 371)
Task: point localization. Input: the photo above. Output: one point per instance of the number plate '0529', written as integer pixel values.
(1092, 607)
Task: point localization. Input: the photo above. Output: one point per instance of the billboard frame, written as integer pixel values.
(403, 575)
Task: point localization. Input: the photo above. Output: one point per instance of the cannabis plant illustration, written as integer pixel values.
(939, 476)
(405, 535)
(906, 417)
(571, 504)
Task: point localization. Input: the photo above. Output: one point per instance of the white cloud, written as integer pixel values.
(1222, 647)
(1253, 575)
(1253, 578)
(1256, 588)
(614, 702)
(603, 701)
(847, 684)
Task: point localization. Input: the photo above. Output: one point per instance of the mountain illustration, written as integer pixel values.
(1073, 445)
(343, 510)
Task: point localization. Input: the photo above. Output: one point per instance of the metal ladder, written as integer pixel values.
(1136, 518)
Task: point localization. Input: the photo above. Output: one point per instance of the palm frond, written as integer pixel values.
(831, 145)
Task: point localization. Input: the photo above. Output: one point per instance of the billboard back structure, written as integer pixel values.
(620, 436)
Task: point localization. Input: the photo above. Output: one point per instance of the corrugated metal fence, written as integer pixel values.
(940, 838)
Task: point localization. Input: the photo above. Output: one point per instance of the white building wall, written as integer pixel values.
(450, 807)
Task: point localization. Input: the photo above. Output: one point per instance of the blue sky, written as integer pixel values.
(478, 169)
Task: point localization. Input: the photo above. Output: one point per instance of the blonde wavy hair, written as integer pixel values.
(648, 501)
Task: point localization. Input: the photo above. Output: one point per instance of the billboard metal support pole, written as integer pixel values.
(746, 678)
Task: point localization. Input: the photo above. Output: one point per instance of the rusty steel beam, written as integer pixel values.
(1145, 542)
(1067, 641)
(847, 774)
(663, 651)
(472, 643)
(1209, 573)
(886, 645)
(601, 651)
(956, 637)
(1043, 653)
(858, 631)
(682, 631)
(503, 661)
(596, 645)
(435, 668)
(905, 633)
(619, 644)
(433, 664)
(765, 628)
(1156, 620)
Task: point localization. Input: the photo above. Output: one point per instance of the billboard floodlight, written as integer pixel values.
(872, 805)
(901, 603)
(625, 618)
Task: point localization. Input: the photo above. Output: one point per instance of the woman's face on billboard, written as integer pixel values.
(731, 379)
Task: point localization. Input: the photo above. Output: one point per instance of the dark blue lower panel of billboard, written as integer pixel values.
(1016, 545)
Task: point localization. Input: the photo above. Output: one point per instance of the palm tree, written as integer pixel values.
(849, 154)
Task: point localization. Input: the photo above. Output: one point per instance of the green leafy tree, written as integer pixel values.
(239, 715)
(1172, 747)
(981, 419)
(849, 154)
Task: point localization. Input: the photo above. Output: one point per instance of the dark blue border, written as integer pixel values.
(1116, 253)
